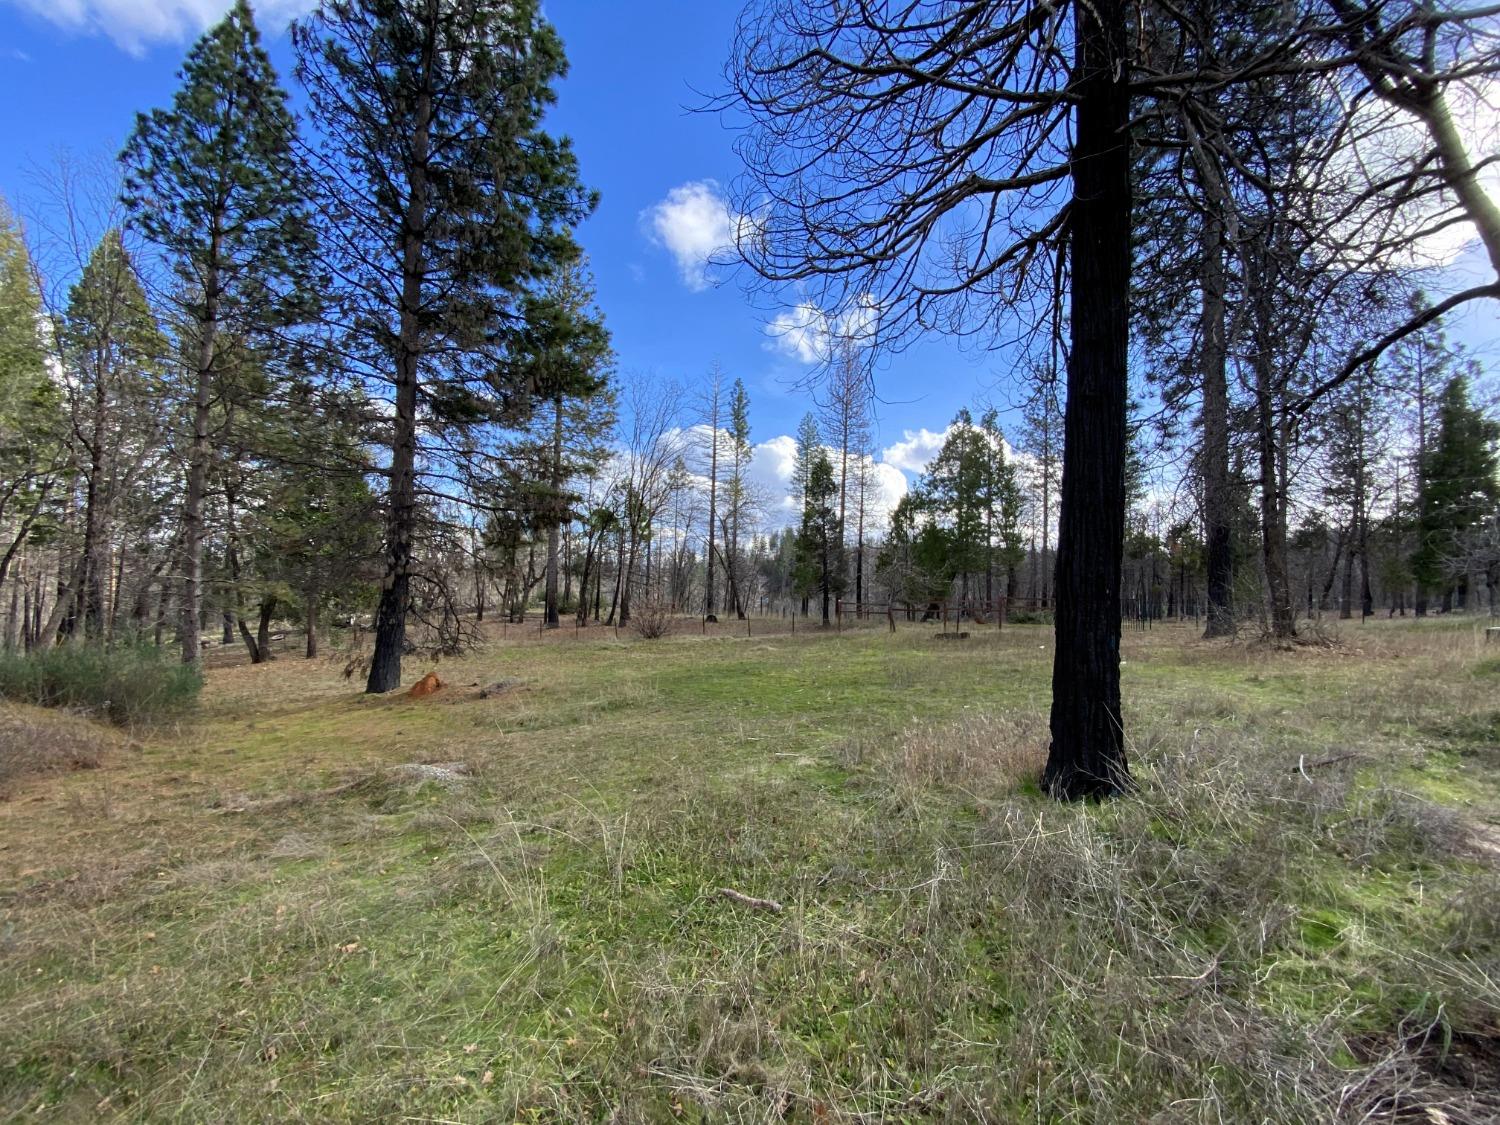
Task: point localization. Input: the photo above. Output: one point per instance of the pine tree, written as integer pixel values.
(570, 363)
(737, 491)
(809, 447)
(1001, 500)
(1042, 439)
(113, 360)
(214, 183)
(31, 417)
(1459, 490)
(445, 201)
(809, 441)
(819, 568)
(952, 497)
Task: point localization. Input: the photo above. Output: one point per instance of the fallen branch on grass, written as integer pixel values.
(753, 903)
(1303, 765)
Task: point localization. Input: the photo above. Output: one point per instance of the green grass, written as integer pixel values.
(255, 917)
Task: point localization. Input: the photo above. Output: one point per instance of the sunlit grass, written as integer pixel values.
(256, 916)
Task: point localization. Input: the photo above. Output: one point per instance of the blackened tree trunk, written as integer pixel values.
(1270, 438)
(312, 624)
(1087, 756)
(824, 580)
(1346, 594)
(263, 632)
(1218, 499)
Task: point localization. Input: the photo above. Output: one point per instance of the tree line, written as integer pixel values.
(349, 363)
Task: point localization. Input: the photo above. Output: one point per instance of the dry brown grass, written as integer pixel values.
(35, 742)
(986, 750)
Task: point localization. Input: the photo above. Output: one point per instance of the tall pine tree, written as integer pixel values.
(214, 183)
(445, 202)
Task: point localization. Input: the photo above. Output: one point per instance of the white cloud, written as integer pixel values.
(694, 222)
(801, 333)
(891, 485)
(806, 333)
(135, 25)
(771, 473)
(915, 451)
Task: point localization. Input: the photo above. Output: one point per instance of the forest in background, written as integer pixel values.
(346, 369)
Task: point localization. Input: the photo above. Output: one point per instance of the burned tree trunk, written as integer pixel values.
(1087, 756)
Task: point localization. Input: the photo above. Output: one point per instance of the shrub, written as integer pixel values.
(1029, 617)
(651, 620)
(125, 685)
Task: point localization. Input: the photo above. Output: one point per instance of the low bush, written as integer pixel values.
(125, 685)
(1029, 617)
(651, 620)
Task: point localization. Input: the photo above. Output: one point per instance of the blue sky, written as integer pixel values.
(74, 72)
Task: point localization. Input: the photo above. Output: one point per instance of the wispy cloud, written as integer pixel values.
(807, 333)
(135, 25)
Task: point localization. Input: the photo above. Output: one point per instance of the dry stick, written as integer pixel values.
(1303, 765)
(753, 903)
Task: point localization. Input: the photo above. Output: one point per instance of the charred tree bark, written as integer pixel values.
(1087, 755)
(1270, 427)
(1218, 499)
(312, 624)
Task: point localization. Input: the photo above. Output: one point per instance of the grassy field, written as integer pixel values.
(259, 915)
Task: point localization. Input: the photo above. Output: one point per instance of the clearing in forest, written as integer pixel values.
(263, 914)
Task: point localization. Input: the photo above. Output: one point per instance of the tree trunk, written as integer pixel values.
(395, 590)
(89, 593)
(1218, 499)
(554, 528)
(1087, 755)
(197, 474)
(1346, 595)
(1333, 570)
(312, 624)
(1281, 616)
(713, 499)
(251, 647)
(825, 583)
(263, 634)
(614, 603)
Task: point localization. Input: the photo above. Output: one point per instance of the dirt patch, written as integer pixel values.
(1436, 1075)
(427, 685)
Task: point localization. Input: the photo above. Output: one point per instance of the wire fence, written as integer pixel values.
(952, 618)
